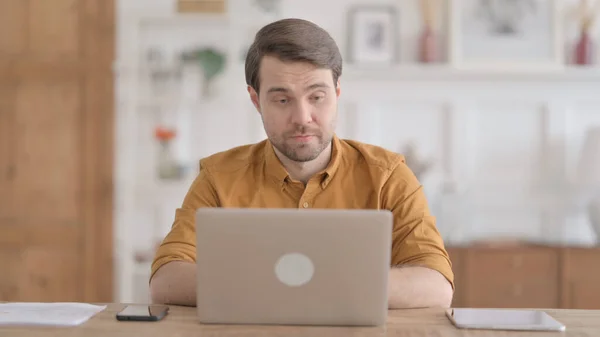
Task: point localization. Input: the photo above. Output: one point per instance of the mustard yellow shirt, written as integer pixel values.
(359, 176)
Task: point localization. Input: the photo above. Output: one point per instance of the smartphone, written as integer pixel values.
(144, 313)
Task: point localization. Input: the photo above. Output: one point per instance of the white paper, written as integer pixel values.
(52, 314)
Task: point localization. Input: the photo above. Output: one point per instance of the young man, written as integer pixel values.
(292, 71)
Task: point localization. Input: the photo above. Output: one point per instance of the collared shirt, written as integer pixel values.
(358, 176)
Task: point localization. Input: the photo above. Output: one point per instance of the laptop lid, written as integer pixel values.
(290, 266)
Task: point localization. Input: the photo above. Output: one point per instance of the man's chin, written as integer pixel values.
(303, 159)
(303, 154)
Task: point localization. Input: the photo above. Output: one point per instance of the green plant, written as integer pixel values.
(210, 60)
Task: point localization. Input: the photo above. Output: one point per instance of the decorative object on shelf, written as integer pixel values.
(201, 6)
(588, 177)
(584, 49)
(506, 17)
(167, 165)
(584, 53)
(414, 161)
(161, 75)
(504, 35)
(373, 35)
(212, 63)
(268, 6)
(427, 40)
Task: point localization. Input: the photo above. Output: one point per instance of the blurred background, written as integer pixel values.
(106, 106)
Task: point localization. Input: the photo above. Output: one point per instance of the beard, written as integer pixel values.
(301, 151)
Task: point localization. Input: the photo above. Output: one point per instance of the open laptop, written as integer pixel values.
(293, 267)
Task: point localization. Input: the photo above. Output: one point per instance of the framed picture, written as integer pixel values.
(506, 34)
(201, 6)
(372, 34)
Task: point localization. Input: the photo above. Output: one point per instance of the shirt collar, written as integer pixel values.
(277, 171)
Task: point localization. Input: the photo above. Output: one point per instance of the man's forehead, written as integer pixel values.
(278, 73)
(309, 87)
(276, 67)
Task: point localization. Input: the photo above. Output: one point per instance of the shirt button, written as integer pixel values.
(305, 205)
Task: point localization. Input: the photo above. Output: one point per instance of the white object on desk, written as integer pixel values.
(51, 314)
(503, 319)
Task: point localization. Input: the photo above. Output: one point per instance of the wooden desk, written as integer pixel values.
(181, 321)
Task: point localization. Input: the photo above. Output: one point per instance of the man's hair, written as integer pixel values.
(293, 40)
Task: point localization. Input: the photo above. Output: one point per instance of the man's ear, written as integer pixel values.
(254, 98)
(338, 89)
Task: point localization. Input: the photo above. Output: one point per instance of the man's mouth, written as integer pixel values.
(302, 137)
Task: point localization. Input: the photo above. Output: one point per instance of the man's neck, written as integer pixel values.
(303, 171)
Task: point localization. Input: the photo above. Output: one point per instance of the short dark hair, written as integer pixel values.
(293, 40)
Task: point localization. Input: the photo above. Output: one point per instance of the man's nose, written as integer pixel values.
(302, 114)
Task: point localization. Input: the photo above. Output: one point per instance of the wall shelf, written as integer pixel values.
(448, 73)
(434, 72)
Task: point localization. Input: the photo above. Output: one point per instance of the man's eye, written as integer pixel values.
(282, 101)
(318, 98)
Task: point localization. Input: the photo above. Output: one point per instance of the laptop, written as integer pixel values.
(293, 267)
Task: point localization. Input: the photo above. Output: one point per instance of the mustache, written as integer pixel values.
(303, 130)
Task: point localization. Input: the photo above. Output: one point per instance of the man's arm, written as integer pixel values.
(174, 283)
(421, 273)
(418, 287)
(173, 277)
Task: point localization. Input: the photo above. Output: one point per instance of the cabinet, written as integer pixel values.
(526, 277)
(56, 127)
(581, 278)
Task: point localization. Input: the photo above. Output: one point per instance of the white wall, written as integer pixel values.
(504, 151)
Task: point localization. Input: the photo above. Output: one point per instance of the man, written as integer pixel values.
(292, 71)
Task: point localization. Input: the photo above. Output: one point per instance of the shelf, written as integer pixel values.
(439, 72)
(403, 73)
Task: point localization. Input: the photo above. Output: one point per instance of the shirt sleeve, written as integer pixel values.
(415, 238)
(180, 243)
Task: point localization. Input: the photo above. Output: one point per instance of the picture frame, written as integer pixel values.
(523, 35)
(201, 6)
(372, 35)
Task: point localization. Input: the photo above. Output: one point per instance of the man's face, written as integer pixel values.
(298, 106)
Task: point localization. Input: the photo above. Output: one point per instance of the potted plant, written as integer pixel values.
(167, 166)
(210, 60)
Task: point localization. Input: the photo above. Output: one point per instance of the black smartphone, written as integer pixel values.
(143, 313)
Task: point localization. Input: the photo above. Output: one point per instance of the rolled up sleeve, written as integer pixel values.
(416, 240)
(180, 243)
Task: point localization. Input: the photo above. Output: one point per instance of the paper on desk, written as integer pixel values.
(54, 314)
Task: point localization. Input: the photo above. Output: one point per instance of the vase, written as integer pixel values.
(427, 46)
(584, 49)
(168, 168)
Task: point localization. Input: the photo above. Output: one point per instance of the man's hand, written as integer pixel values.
(174, 283)
(409, 287)
(418, 287)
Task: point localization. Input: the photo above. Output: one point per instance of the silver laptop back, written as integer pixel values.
(294, 267)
